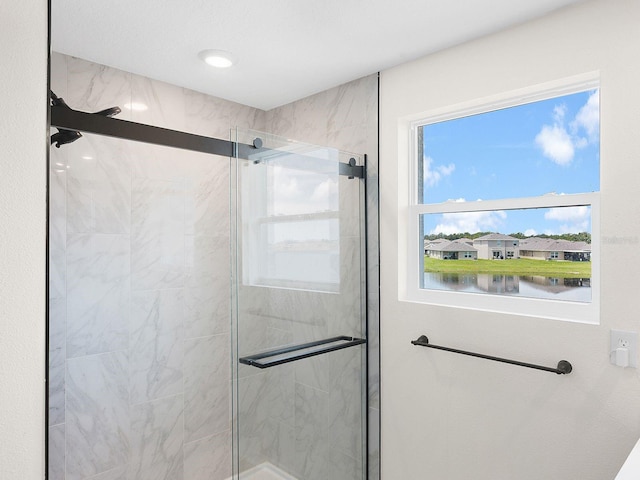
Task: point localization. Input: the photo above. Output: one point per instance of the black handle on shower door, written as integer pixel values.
(293, 353)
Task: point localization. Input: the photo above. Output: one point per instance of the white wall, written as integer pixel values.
(23, 76)
(446, 416)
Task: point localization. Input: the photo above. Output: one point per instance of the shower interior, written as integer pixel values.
(145, 374)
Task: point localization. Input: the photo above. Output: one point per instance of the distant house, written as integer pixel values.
(497, 246)
(450, 250)
(550, 249)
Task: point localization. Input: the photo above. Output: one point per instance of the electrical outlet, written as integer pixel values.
(624, 339)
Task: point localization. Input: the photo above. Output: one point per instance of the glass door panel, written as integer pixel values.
(299, 319)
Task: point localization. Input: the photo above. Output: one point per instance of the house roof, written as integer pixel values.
(495, 236)
(552, 245)
(454, 246)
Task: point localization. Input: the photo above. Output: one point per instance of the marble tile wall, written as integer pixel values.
(139, 278)
(139, 287)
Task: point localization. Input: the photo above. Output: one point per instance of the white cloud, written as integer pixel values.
(568, 214)
(588, 117)
(569, 228)
(574, 219)
(530, 232)
(559, 111)
(470, 222)
(300, 192)
(432, 176)
(556, 144)
(325, 192)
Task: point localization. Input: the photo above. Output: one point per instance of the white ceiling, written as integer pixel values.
(286, 49)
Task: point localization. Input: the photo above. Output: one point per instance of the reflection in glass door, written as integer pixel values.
(299, 323)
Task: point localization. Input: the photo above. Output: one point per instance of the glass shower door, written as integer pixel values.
(299, 321)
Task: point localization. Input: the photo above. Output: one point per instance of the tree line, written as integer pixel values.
(572, 237)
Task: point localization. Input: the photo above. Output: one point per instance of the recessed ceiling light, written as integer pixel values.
(217, 58)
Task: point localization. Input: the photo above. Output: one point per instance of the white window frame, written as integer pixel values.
(535, 307)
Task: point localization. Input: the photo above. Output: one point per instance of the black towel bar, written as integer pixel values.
(563, 367)
(299, 352)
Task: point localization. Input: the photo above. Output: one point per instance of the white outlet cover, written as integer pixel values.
(624, 338)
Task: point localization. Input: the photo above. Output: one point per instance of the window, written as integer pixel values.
(291, 219)
(518, 179)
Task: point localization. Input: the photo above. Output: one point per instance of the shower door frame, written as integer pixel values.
(64, 117)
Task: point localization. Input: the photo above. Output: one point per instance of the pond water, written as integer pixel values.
(567, 289)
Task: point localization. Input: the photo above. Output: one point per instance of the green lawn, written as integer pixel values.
(521, 266)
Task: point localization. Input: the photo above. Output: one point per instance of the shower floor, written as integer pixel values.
(266, 471)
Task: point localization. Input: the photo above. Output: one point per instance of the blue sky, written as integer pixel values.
(524, 151)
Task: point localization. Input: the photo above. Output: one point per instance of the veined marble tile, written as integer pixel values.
(374, 444)
(256, 334)
(57, 223)
(98, 273)
(350, 104)
(158, 162)
(243, 116)
(209, 458)
(93, 87)
(303, 307)
(157, 435)
(253, 410)
(208, 116)
(157, 244)
(57, 357)
(279, 121)
(208, 289)
(281, 393)
(282, 447)
(157, 344)
(344, 467)
(119, 473)
(56, 452)
(313, 372)
(207, 383)
(97, 414)
(373, 346)
(253, 421)
(350, 139)
(207, 261)
(351, 215)
(80, 188)
(207, 197)
(311, 433)
(309, 119)
(349, 320)
(346, 406)
(58, 77)
(99, 185)
(57, 194)
(207, 309)
(157, 103)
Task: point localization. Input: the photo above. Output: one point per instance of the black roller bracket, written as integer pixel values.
(563, 368)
